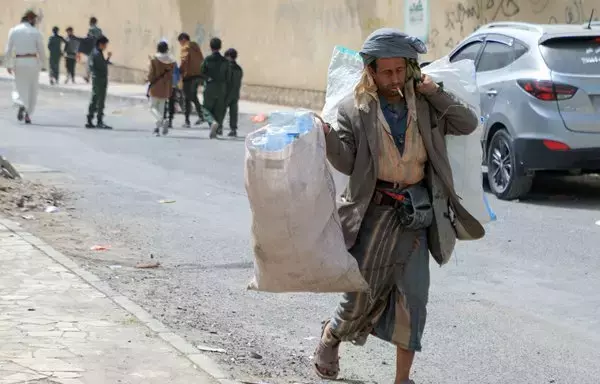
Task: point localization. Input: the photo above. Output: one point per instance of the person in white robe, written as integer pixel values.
(25, 56)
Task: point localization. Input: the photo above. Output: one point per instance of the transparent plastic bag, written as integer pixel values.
(344, 72)
(464, 152)
(282, 129)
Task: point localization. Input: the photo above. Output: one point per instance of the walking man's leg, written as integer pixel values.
(19, 91)
(70, 63)
(172, 101)
(210, 106)
(220, 112)
(87, 70)
(233, 118)
(157, 108)
(412, 294)
(102, 88)
(93, 107)
(165, 111)
(51, 70)
(197, 103)
(57, 69)
(33, 74)
(188, 91)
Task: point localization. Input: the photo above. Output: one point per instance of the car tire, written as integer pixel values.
(503, 175)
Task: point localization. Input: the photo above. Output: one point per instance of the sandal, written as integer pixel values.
(326, 358)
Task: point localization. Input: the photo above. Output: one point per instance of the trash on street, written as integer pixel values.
(260, 118)
(148, 265)
(51, 209)
(210, 349)
(100, 247)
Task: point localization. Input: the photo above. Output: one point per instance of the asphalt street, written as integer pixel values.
(520, 306)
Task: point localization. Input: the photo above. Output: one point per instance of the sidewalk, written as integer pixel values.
(135, 93)
(61, 324)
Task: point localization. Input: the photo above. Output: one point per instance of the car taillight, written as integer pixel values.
(555, 145)
(547, 90)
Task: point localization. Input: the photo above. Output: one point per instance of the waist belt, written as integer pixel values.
(382, 198)
(412, 204)
(27, 55)
(387, 193)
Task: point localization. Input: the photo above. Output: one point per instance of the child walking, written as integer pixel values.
(160, 77)
(234, 85)
(175, 94)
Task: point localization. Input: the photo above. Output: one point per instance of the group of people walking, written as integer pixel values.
(70, 47)
(220, 75)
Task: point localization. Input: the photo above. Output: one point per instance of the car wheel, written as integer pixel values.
(503, 176)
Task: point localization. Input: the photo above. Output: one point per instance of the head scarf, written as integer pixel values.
(390, 42)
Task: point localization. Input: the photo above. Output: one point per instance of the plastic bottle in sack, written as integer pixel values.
(277, 139)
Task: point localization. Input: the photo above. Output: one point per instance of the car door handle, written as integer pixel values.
(492, 92)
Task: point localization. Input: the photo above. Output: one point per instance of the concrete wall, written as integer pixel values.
(284, 45)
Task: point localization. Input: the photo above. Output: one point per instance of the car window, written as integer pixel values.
(469, 52)
(573, 55)
(495, 56)
(520, 49)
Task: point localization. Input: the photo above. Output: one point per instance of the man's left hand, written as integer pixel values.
(427, 86)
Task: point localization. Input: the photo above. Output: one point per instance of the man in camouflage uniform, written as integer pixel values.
(55, 43)
(98, 67)
(94, 33)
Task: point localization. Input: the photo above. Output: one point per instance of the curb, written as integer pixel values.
(200, 361)
(57, 88)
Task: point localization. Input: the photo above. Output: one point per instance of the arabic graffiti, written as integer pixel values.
(462, 17)
(463, 12)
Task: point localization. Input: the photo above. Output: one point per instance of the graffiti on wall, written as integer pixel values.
(203, 34)
(464, 16)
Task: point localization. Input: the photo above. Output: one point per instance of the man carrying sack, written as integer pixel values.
(400, 202)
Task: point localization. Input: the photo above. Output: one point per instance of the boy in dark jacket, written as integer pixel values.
(215, 72)
(234, 85)
(98, 67)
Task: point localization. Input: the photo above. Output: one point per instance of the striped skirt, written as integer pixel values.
(395, 263)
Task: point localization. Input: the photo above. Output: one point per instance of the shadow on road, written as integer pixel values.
(580, 192)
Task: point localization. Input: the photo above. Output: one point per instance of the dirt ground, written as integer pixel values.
(99, 251)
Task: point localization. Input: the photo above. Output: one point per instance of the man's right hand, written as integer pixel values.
(9, 70)
(326, 127)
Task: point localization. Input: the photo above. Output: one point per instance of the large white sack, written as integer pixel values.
(464, 152)
(296, 231)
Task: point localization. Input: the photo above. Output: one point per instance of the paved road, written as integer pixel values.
(522, 306)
